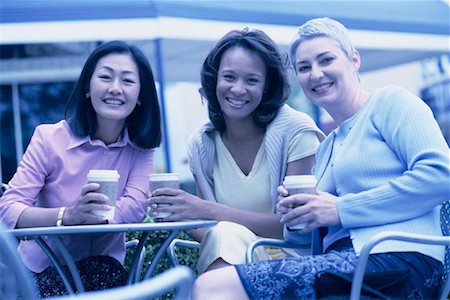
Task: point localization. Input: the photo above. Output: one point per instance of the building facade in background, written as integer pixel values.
(28, 102)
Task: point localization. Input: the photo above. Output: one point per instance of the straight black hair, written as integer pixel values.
(143, 124)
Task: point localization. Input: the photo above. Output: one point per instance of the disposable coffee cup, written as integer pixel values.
(300, 184)
(108, 181)
(163, 180)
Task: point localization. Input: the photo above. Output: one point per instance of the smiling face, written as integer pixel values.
(240, 83)
(114, 88)
(325, 73)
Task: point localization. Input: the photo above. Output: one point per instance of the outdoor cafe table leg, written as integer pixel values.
(134, 262)
(70, 264)
(160, 252)
(55, 262)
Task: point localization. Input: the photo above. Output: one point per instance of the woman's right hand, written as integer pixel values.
(183, 205)
(81, 212)
(317, 210)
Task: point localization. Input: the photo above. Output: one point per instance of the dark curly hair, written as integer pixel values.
(143, 124)
(277, 84)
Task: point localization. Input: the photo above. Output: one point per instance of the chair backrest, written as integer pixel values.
(179, 279)
(445, 226)
(15, 279)
(3, 188)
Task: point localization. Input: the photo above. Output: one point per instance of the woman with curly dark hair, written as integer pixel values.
(385, 168)
(240, 156)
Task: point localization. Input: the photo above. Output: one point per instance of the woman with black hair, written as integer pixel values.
(112, 121)
(241, 156)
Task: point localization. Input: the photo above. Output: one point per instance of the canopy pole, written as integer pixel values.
(165, 132)
(17, 123)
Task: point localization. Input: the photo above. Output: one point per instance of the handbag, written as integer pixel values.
(389, 284)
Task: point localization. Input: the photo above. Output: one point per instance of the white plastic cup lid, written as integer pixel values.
(164, 177)
(298, 181)
(103, 174)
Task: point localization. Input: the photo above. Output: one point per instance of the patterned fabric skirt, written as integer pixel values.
(294, 278)
(96, 272)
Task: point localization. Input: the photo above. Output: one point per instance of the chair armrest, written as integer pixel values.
(137, 274)
(131, 243)
(399, 236)
(179, 242)
(266, 242)
(16, 279)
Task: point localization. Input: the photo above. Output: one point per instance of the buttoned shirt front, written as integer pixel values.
(52, 173)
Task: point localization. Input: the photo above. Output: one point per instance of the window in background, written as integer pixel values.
(7, 140)
(436, 93)
(437, 96)
(39, 103)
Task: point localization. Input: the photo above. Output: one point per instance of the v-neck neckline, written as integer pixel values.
(256, 162)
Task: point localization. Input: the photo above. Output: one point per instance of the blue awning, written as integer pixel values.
(388, 32)
(426, 16)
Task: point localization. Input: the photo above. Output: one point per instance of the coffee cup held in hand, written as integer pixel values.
(300, 184)
(163, 180)
(108, 181)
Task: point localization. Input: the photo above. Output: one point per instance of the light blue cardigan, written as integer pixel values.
(392, 172)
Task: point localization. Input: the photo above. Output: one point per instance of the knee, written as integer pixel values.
(225, 227)
(201, 287)
(223, 283)
(230, 232)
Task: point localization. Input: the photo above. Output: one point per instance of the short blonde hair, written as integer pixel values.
(323, 27)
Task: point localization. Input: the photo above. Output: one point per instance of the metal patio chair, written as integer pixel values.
(379, 238)
(16, 280)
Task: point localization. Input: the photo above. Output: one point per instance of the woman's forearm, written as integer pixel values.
(37, 216)
(262, 224)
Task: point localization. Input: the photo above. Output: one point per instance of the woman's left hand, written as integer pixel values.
(317, 210)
